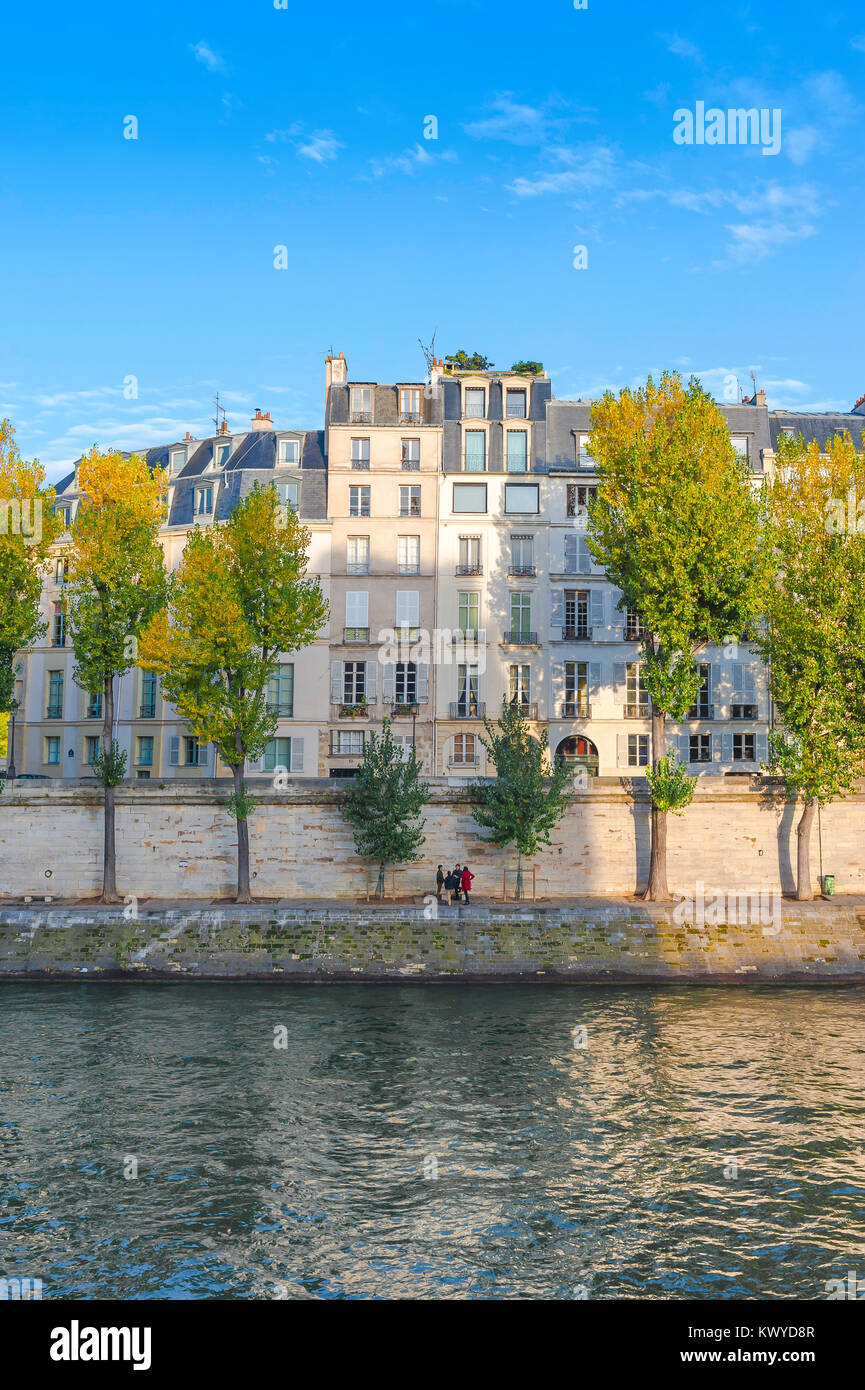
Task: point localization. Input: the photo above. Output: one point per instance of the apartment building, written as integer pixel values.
(384, 459)
(58, 725)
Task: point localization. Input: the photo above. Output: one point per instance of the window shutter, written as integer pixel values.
(407, 608)
(557, 599)
(762, 748)
(727, 748)
(423, 680)
(620, 681)
(174, 750)
(685, 747)
(738, 683)
(748, 685)
(388, 680)
(597, 612)
(571, 553)
(594, 680)
(357, 608)
(717, 748)
(254, 764)
(716, 687)
(336, 678)
(371, 680)
(204, 755)
(296, 755)
(584, 559)
(621, 750)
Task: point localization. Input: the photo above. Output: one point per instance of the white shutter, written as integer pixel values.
(204, 755)
(620, 682)
(388, 681)
(557, 682)
(717, 748)
(737, 671)
(584, 559)
(616, 619)
(174, 750)
(408, 608)
(557, 611)
(594, 680)
(685, 747)
(296, 755)
(727, 748)
(255, 764)
(716, 687)
(621, 750)
(357, 608)
(596, 618)
(762, 748)
(748, 685)
(371, 681)
(571, 554)
(423, 680)
(336, 682)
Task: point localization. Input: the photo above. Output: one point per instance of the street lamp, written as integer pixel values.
(10, 747)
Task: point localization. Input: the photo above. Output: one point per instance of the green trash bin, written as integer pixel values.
(829, 885)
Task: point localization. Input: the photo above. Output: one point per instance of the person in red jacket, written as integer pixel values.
(466, 882)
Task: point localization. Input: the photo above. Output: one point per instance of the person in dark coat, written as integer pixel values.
(440, 883)
(466, 881)
(458, 879)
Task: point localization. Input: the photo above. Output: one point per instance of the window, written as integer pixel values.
(91, 749)
(521, 497)
(578, 557)
(410, 455)
(148, 695)
(94, 704)
(360, 453)
(409, 404)
(521, 616)
(469, 555)
(470, 497)
(358, 501)
(701, 708)
(584, 458)
(405, 689)
(519, 684)
(476, 451)
(277, 753)
(522, 555)
(576, 690)
(467, 692)
(357, 615)
(468, 612)
(288, 493)
(52, 751)
(517, 451)
(579, 497)
(288, 451)
(55, 695)
(408, 554)
(361, 405)
(220, 455)
(637, 697)
(280, 691)
(58, 632)
(191, 752)
(744, 702)
(638, 750)
(407, 614)
(61, 571)
(740, 445)
(744, 748)
(347, 741)
(700, 748)
(354, 683)
(515, 407)
(357, 555)
(177, 460)
(203, 501)
(475, 402)
(634, 629)
(576, 628)
(64, 515)
(144, 756)
(465, 749)
(409, 501)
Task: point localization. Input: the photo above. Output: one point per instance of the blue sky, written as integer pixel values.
(304, 127)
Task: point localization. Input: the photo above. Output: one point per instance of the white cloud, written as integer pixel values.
(409, 161)
(683, 48)
(858, 42)
(586, 167)
(208, 56)
(755, 241)
(521, 124)
(321, 146)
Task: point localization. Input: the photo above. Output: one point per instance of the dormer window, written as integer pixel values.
(516, 405)
(287, 495)
(64, 514)
(475, 402)
(178, 460)
(740, 445)
(361, 405)
(288, 451)
(220, 455)
(409, 406)
(204, 501)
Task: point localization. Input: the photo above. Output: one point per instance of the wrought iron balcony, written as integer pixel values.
(147, 711)
(529, 708)
(467, 709)
(576, 632)
(701, 711)
(636, 711)
(360, 463)
(523, 571)
(361, 417)
(748, 711)
(468, 635)
(355, 634)
(410, 417)
(411, 465)
(517, 637)
(470, 569)
(576, 709)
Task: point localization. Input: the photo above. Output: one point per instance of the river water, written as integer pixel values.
(431, 1142)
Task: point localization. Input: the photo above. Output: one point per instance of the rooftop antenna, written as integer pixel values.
(429, 352)
(754, 384)
(219, 410)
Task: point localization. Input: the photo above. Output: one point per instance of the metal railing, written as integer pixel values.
(744, 711)
(636, 711)
(361, 417)
(470, 569)
(529, 708)
(523, 571)
(516, 637)
(576, 709)
(576, 632)
(144, 712)
(471, 636)
(467, 709)
(411, 465)
(355, 634)
(701, 712)
(360, 463)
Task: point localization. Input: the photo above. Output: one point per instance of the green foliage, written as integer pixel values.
(670, 785)
(109, 765)
(525, 801)
(384, 800)
(240, 805)
(528, 368)
(469, 362)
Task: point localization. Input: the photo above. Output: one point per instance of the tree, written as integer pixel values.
(383, 804)
(115, 584)
(239, 599)
(28, 529)
(469, 362)
(528, 368)
(528, 796)
(813, 639)
(676, 526)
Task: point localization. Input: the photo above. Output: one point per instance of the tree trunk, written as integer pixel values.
(379, 887)
(657, 890)
(803, 851)
(109, 851)
(243, 893)
(519, 877)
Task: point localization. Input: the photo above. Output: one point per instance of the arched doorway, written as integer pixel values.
(579, 752)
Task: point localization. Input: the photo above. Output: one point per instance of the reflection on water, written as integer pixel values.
(431, 1142)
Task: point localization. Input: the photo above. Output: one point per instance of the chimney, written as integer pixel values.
(223, 428)
(335, 371)
(759, 398)
(262, 422)
(188, 437)
(859, 407)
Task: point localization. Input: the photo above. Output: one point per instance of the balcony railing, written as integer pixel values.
(517, 637)
(146, 712)
(701, 712)
(411, 465)
(355, 634)
(467, 709)
(403, 709)
(358, 709)
(576, 632)
(529, 709)
(523, 571)
(576, 709)
(406, 634)
(470, 569)
(748, 711)
(470, 635)
(410, 417)
(636, 711)
(408, 567)
(634, 632)
(357, 567)
(284, 709)
(360, 463)
(54, 712)
(361, 417)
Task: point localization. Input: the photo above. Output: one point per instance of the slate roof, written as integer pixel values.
(821, 427)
